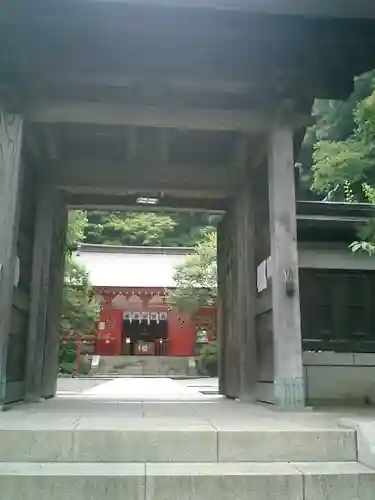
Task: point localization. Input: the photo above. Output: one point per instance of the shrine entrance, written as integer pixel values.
(145, 336)
(193, 107)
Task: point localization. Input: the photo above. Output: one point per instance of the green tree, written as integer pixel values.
(79, 310)
(352, 160)
(196, 278)
(366, 232)
(123, 228)
(147, 229)
(77, 222)
(335, 121)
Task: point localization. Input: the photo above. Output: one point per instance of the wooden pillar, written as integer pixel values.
(48, 211)
(288, 370)
(51, 351)
(221, 304)
(246, 291)
(228, 331)
(10, 183)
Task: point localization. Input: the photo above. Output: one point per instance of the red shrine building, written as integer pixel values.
(130, 284)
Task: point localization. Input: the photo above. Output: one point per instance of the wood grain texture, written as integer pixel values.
(10, 183)
(57, 265)
(40, 292)
(288, 369)
(235, 120)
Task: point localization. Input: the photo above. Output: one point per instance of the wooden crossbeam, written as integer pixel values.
(356, 9)
(164, 204)
(120, 80)
(117, 177)
(152, 116)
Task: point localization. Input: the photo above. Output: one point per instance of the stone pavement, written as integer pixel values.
(157, 439)
(140, 388)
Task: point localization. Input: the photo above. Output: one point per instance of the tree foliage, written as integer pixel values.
(366, 231)
(351, 160)
(333, 147)
(196, 278)
(344, 155)
(77, 221)
(146, 229)
(79, 310)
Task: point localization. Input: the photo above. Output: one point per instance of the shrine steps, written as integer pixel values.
(172, 461)
(136, 366)
(95, 449)
(181, 481)
(155, 441)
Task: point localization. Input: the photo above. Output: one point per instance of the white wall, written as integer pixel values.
(339, 377)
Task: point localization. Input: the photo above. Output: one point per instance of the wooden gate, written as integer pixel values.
(236, 298)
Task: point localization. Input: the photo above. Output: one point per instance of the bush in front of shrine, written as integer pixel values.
(67, 360)
(208, 359)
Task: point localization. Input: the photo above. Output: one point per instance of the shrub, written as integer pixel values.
(67, 353)
(208, 359)
(67, 360)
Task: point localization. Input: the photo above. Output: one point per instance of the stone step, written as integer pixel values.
(157, 442)
(184, 481)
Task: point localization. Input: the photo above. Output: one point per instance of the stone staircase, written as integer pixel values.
(177, 459)
(136, 366)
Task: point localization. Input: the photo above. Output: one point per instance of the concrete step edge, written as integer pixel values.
(194, 445)
(182, 469)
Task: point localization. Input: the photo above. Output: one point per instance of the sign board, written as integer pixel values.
(95, 361)
(192, 363)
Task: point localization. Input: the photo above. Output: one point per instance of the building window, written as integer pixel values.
(338, 310)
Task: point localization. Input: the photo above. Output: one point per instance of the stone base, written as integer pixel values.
(290, 393)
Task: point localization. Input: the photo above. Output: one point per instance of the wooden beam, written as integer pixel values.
(57, 263)
(241, 152)
(246, 286)
(152, 116)
(221, 304)
(358, 9)
(10, 205)
(51, 143)
(164, 147)
(131, 144)
(39, 290)
(120, 80)
(257, 88)
(286, 316)
(119, 178)
(129, 203)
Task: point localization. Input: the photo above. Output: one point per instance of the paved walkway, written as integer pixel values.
(85, 403)
(136, 389)
(151, 403)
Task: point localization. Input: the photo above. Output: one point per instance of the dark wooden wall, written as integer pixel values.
(236, 299)
(17, 349)
(338, 310)
(227, 296)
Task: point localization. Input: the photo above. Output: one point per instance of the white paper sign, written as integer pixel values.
(192, 363)
(261, 276)
(95, 361)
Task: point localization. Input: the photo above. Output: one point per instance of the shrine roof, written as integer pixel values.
(136, 267)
